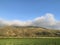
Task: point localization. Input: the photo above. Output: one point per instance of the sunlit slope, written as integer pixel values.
(28, 31)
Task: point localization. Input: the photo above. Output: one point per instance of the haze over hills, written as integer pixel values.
(46, 21)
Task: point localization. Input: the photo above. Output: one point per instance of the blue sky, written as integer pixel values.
(28, 9)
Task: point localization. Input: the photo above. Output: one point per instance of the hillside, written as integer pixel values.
(28, 31)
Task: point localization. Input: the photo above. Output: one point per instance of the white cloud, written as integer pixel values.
(44, 21)
(47, 21)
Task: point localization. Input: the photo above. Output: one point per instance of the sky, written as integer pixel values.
(28, 9)
(30, 12)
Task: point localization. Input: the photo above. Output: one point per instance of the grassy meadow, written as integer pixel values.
(29, 41)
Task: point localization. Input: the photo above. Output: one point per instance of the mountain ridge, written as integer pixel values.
(28, 31)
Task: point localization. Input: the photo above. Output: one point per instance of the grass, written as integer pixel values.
(29, 41)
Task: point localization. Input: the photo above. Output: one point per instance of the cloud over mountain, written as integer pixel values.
(47, 21)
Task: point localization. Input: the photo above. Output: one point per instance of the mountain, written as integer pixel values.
(28, 31)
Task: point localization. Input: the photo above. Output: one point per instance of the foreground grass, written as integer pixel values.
(29, 41)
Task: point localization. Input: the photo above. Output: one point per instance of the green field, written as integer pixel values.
(29, 41)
